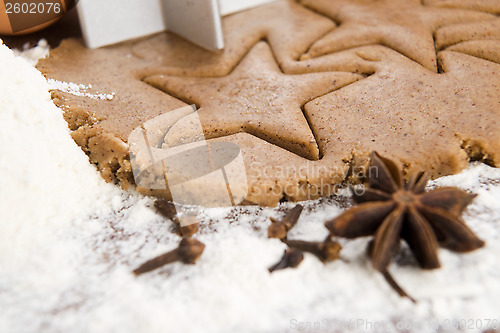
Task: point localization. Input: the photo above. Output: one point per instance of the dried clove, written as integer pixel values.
(188, 252)
(325, 251)
(187, 225)
(279, 229)
(291, 259)
(166, 208)
(184, 229)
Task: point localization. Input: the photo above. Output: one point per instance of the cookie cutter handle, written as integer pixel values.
(198, 21)
(107, 22)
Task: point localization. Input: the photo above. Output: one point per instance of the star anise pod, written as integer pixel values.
(391, 209)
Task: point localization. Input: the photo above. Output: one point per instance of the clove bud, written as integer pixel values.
(188, 252)
(325, 251)
(279, 229)
(291, 258)
(167, 209)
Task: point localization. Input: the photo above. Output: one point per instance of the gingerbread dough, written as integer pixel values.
(305, 98)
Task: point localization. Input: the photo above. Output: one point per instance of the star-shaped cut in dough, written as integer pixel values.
(490, 6)
(425, 120)
(458, 33)
(487, 49)
(289, 28)
(406, 27)
(256, 98)
(479, 39)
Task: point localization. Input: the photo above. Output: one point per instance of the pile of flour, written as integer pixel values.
(68, 244)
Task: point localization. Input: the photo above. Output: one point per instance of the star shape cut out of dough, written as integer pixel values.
(490, 6)
(424, 120)
(489, 50)
(458, 33)
(407, 27)
(479, 39)
(256, 98)
(289, 28)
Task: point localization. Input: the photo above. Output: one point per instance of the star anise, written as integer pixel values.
(391, 209)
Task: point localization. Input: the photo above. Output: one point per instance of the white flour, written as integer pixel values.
(77, 89)
(33, 54)
(68, 243)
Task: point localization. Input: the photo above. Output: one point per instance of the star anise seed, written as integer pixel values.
(391, 209)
